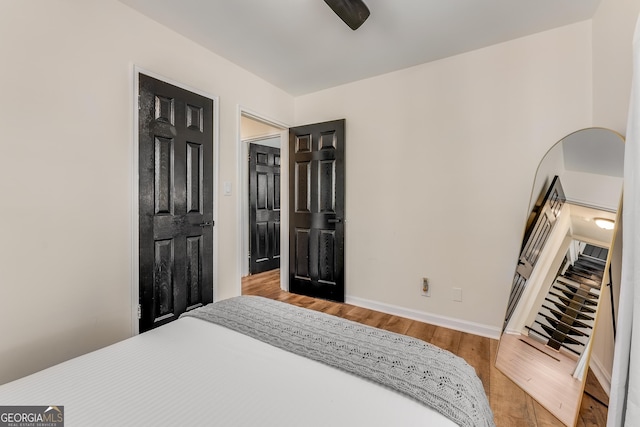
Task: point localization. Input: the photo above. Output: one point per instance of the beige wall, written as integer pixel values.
(440, 161)
(66, 123)
(251, 129)
(613, 27)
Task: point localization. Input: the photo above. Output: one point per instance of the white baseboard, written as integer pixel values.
(603, 377)
(433, 319)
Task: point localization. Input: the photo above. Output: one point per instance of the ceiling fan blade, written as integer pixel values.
(352, 12)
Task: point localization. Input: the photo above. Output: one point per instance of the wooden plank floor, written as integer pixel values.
(511, 406)
(546, 374)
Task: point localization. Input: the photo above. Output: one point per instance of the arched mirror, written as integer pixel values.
(563, 270)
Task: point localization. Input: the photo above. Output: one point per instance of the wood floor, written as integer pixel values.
(546, 374)
(511, 406)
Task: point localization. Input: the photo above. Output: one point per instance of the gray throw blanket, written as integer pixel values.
(431, 375)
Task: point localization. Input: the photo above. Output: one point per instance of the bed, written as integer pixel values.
(251, 361)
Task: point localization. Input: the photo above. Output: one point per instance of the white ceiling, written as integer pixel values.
(596, 150)
(301, 46)
(584, 228)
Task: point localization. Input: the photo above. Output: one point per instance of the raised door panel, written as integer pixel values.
(163, 280)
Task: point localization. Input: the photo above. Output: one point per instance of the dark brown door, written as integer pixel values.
(175, 201)
(542, 220)
(316, 210)
(264, 208)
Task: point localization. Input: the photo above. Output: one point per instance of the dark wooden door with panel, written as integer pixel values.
(539, 227)
(175, 201)
(316, 210)
(264, 208)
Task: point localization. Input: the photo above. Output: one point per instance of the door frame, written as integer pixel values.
(242, 150)
(134, 172)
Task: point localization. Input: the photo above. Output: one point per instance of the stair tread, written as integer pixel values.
(594, 269)
(593, 259)
(577, 297)
(544, 338)
(574, 290)
(584, 315)
(567, 339)
(583, 281)
(571, 330)
(556, 313)
(589, 307)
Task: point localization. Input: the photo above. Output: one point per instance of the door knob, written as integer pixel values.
(335, 220)
(206, 224)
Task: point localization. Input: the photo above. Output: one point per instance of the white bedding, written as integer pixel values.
(192, 372)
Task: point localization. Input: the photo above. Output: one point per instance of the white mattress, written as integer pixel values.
(191, 372)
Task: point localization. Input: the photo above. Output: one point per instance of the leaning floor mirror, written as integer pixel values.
(563, 270)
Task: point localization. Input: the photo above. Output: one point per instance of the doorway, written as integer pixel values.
(255, 129)
(264, 205)
(324, 256)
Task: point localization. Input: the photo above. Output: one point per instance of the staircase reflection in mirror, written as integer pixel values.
(563, 271)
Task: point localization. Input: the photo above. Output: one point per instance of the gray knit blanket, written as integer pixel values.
(422, 371)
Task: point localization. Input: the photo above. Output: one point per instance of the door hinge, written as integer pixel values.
(139, 311)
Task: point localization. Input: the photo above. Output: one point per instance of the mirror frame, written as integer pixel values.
(582, 364)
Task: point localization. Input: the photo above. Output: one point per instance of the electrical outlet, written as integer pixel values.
(457, 294)
(426, 287)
